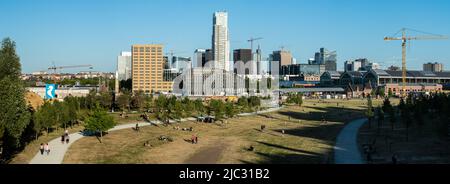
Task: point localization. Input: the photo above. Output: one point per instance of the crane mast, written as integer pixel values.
(404, 38)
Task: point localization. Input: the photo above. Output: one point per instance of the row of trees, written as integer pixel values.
(414, 109)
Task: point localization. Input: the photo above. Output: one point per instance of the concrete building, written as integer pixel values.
(61, 93)
(199, 58)
(327, 58)
(330, 78)
(124, 66)
(283, 56)
(181, 63)
(433, 67)
(148, 69)
(298, 69)
(242, 58)
(221, 41)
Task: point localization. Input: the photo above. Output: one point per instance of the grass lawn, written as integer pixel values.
(306, 139)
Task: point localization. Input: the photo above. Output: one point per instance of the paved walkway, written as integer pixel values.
(346, 149)
(58, 150)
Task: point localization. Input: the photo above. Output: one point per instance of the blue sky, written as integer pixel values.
(94, 32)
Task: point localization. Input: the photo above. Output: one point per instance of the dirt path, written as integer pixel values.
(208, 155)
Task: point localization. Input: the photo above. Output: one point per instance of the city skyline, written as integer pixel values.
(52, 31)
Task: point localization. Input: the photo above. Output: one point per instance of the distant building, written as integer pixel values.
(306, 69)
(325, 57)
(243, 55)
(433, 67)
(124, 66)
(393, 68)
(221, 41)
(199, 59)
(180, 63)
(284, 59)
(283, 56)
(330, 78)
(148, 71)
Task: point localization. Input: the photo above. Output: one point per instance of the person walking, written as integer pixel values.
(196, 139)
(193, 139)
(62, 139)
(67, 139)
(47, 149)
(41, 148)
(66, 132)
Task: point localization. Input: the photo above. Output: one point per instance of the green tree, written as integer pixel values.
(217, 108)
(100, 122)
(105, 99)
(124, 100)
(177, 110)
(369, 111)
(380, 114)
(199, 107)
(14, 114)
(138, 100)
(230, 111)
(161, 111)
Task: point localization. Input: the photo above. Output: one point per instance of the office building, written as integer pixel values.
(148, 69)
(221, 41)
(181, 63)
(199, 59)
(244, 55)
(124, 66)
(433, 67)
(325, 57)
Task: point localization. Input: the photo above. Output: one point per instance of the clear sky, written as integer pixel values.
(72, 32)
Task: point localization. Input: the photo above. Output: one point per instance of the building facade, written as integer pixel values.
(148, 69)
(433, 67)
(327, 58)
(124, 66)
(221, 41)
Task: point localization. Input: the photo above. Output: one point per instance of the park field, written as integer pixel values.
(306, 138)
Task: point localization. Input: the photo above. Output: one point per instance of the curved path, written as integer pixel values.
(346, 149)
(58, 150)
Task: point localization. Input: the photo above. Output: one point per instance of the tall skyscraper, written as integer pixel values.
(124, 66)
(221, 41)
(148, 68)
(433, 67)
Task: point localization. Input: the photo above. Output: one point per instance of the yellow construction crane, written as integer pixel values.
(404, 38)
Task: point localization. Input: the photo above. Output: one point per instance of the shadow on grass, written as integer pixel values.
(334, 114)
(296, 156)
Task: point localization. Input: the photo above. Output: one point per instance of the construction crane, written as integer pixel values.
(251, 40)
(404, 38)
(55, 68)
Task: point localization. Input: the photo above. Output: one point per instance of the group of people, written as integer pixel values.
(65, 137)
(194, 139)
(44, 148)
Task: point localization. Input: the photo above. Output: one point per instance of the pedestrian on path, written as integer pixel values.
(62, 139)
(196, 139)
(41, 148)
(193, 139)
(47, 149)
(67, 139)
(66, 132)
